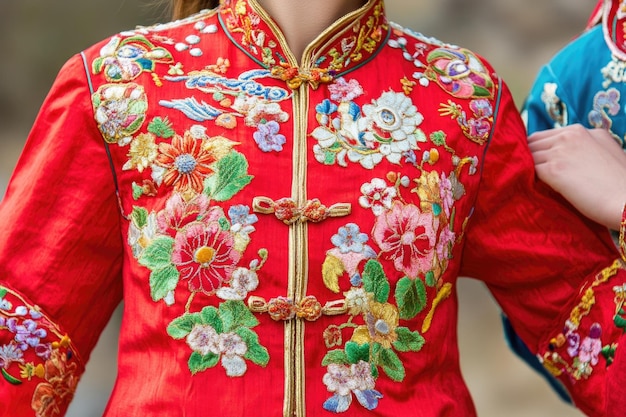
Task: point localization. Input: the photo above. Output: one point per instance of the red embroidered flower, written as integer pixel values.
(204, 255)
(186, 162)
(332, 336)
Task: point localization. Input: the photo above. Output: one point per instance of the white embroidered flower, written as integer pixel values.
(392, 121)
(242, 281)
(362, 375)
(198, 132)
(140, 238)
(339, 380)
(377, 196)
(357, 300)
(204, 340)
(233, 348)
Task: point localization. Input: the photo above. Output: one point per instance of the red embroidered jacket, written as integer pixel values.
(287, 238)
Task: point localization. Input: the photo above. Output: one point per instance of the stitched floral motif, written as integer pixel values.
(120, 110)
(460, 73)
(605, 105)
(123, 60)
(387, 128)
(555, 107)
(33, 345)
(417, 240)
(580, 347)
(191, 241)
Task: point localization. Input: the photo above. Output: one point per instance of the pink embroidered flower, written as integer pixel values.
(204, 255)
(460, 73)
(446, 239)
(407, 236)
(178, 212)
(591, 346)
(446, 195)
(342, 90)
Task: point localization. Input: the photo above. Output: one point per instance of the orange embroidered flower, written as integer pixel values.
(51, 397)
(309, 308)
(186, 161)
(281, 308)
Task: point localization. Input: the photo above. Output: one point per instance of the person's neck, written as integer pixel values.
(301, 21)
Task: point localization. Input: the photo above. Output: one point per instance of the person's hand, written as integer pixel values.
(586, 166)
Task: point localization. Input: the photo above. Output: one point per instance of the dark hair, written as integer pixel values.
(183, 8)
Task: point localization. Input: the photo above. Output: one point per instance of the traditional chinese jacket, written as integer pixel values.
(584, 84)
(286, 234)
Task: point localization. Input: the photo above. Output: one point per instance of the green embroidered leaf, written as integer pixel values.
(137, 191)
(224, 224)
(481, 92)
(430, 279)
(619, 321)
(181, 326)
(158, 254)
(97, 65)
(256, 353)
(410, 297)
(161, 127)
(199, 363)
(337, 356)
(389, 361)
(329, 158)
(162, 281)
(235, 314)
(139, 216)
(438, 138)
(356, 352)
(375, 281)
(230, 178)
(408, 341)
(10, 379)
(210, 316)
(3, 292)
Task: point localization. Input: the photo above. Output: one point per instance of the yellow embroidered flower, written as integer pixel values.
(428, 190)
(381, 323)
(143, 151)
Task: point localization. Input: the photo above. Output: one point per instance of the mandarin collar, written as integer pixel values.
(347, 44)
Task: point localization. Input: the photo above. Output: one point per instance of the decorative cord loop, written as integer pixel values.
(287, 211)
(284, 308)
(295, 77)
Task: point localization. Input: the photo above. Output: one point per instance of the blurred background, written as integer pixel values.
(517, 37)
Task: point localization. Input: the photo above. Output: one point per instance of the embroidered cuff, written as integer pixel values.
(39, 367)
(622, 235)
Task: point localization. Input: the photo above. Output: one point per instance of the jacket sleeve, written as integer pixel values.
(556, 275)
(60, 253)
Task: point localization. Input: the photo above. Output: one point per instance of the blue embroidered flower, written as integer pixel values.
(344, 381)
(5, 304)
(324, 110)
(268, 138)
(349, 239)
(241, 219)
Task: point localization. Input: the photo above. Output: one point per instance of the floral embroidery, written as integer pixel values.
(460, 73)
(605, 104)
(194, 242)
(386, 128)
(186, 162)
(578, 349)
(555, 107)
(477, 128)
(123, 60)
(120, 110)
(41, 353)
(268, 138)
